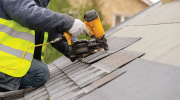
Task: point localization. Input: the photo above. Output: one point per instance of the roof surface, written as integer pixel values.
(160, 32)
(140, 65)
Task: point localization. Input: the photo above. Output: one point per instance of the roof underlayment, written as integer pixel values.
(140, 64)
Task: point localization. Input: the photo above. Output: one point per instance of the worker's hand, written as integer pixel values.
(78, 28)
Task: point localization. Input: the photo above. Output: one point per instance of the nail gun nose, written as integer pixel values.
(93, 44)
(106, 47)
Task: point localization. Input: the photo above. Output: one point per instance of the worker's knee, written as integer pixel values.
(37, 75)
(44, 75)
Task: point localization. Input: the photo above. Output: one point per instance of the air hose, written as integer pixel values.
(53, 41)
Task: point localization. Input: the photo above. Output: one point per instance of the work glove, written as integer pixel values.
(78, 29)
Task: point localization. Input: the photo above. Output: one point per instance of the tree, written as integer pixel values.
(61, 6)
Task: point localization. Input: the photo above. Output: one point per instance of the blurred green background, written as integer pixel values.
(64, 7)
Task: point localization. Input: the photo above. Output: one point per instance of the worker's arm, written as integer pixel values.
(30, 15)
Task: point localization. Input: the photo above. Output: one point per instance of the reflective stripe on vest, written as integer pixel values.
(14, 41)
(44, 47)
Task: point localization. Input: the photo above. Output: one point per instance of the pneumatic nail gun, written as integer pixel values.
(98, 41)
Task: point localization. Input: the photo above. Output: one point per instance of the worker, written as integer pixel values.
(24, 23)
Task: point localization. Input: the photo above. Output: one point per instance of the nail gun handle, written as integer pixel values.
(93, 23)
(95, 27)
(67, 37)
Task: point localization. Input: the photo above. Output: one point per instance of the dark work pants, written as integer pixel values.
(37, 75)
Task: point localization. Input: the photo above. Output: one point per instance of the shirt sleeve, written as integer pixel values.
(28, 14)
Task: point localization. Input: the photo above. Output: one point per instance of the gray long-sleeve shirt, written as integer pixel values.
(29, 14)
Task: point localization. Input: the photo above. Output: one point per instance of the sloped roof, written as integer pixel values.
(159, 29)
(155, 75)
(140, 64)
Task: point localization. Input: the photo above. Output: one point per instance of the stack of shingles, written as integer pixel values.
(72, 80)
(82, 77)
(88, 73)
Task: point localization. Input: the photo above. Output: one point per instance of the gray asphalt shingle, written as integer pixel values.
(143, 80)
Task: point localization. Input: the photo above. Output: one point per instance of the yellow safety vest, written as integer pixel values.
(43, 52)
(14, 41)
